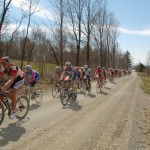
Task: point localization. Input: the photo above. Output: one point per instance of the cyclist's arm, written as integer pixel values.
(62, 75)
(72, 75)
(9, 82)
(33, 76)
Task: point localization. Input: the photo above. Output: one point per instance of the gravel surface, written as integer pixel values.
(116, 119)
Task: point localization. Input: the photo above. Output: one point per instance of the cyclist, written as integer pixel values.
(78, 70)
(56, 75)
(69, 73)
(111, 74)
(31, 78)
(14, 83)
(86, 74)
(104, 73)
(99, 75)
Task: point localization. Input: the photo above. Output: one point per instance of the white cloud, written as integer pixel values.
(41, 12)
(145, 32)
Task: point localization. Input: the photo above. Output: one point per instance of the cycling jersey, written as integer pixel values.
(69, 72)
(12, 70)
(87, 72)
(79, 72)
(56, 75)
(99, 72)
(32, 76)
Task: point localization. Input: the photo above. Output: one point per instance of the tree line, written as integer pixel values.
(82, 31)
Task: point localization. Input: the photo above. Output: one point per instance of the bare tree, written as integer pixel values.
(32, 9)
(75, 14)
(91, 9)
(4, 7)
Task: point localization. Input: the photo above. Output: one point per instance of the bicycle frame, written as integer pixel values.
(6, 106)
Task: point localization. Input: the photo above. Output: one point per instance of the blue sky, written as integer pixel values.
(134, 19)
(134, 24)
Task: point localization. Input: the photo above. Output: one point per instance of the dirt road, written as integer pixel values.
(117, 119)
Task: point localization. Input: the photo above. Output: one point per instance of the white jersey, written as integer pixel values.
(87, 72)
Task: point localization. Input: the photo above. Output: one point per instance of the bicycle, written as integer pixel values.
(28, 92)
(99, 87)
(22, 107)
(66, 93)
(86, 87)
(56, 88)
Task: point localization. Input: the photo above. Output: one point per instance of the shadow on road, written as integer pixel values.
(34, 106)
(73, 105)
(104, 93)
(91, 95)
(107, 88)
(11, 133)
(19, 122)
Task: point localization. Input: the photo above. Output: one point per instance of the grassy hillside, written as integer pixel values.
(45, 69)
(146, 82)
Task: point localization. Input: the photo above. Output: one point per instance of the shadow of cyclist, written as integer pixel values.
(73, 105)
(34, 106)
(11, 133)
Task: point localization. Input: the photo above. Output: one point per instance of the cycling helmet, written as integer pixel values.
(68, 64)
(103, 68)
(28, 67)
(57, 67)
(81, 68)
(86, 66)
(4, 59)
(98, 67)
(77, 67)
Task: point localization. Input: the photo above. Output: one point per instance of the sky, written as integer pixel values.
(134, 24)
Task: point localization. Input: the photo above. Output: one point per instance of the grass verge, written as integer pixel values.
(146, 82)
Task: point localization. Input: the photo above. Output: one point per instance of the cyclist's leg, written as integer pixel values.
(89, 82)
(15, 89)
(85, 82)
(32, 84)
(74, 86)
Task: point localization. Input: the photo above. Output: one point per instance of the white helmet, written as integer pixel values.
(86, 66)
(68, 64)
(57, 67)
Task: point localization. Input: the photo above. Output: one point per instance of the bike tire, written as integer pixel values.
(2, 113)
(28, 95)
(39, 94)
(83, 88)
(64, 97)
(22, 107)
(54, 90)
(98, 89)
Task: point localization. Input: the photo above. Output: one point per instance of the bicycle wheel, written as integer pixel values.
(1, 113)
(83, 88)
(64, 96)
(22, 107)
(98, 88)
(39, 94)
(54, 90)
(27, 94)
